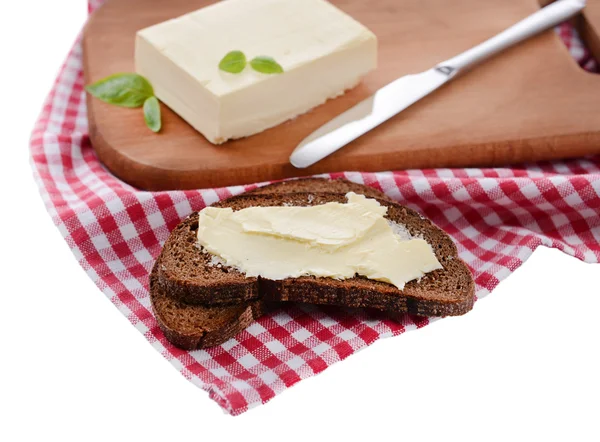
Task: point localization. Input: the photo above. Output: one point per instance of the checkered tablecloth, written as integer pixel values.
(497, 217)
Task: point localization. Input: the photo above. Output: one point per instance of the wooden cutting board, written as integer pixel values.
(531, 103)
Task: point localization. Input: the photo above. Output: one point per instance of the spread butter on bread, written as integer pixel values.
(199, 302)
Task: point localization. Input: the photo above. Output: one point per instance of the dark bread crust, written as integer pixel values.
(457, 299)
(318, 185)
(193, 327)
(449, 291)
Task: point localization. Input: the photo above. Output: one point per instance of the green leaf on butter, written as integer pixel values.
(266, 65)
(234, 62)
(152, 114)
(125, 89)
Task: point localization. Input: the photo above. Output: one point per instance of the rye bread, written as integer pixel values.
(319, 185)
(193, 327)
(188, 275)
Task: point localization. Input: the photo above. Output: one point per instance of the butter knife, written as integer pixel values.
(401, 93)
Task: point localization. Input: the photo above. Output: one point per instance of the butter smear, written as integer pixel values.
(331, 240)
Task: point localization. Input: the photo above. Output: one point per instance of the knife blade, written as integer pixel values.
(396, 96)
(383, 105)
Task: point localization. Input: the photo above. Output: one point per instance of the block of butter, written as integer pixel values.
(332, 240)
(322, 50)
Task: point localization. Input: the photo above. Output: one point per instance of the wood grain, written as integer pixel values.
(531, 103)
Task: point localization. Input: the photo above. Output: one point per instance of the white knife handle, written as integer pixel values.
(545, 18)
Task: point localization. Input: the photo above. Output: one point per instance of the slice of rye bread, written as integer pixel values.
(186, 272)
(193, 327)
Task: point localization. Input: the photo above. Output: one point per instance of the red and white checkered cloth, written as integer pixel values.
(497, 217)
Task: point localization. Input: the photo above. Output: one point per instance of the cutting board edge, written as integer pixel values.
(161, 179)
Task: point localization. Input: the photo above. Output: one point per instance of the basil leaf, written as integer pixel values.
(266, 65)
(152, 114)
(234, 62)
(127, 90)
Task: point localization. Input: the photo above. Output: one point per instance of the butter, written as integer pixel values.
(335, 240)
(322, 50)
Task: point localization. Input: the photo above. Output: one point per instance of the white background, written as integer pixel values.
(523, 365)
